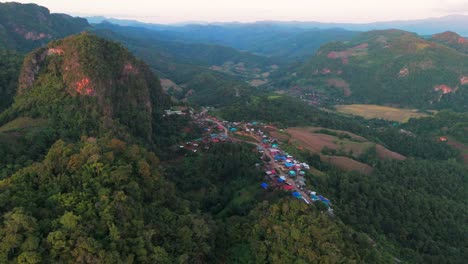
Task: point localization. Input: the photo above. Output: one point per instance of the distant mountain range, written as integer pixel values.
(428, 26)
(272, 40)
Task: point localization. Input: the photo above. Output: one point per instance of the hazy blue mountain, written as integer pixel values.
(272, 40)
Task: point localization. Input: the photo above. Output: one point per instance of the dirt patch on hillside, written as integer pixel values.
(167, 84)
(311, 141)
(344, 55)
(464, 80)
(257, 82)
(340, 84)
(403, 72)
(316, 142)
(347, 164)
(353, 136)
(461, 147)
(445, 89)
(384, 153)
(280, 136)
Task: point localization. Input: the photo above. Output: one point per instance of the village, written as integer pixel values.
(281, 170)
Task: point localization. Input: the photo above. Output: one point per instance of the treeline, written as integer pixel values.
(10, 64)
(444, 123)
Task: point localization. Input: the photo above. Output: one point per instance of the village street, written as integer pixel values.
(277, 163)
(219, 124)
(279, 170)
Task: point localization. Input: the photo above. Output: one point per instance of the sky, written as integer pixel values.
(175, 11)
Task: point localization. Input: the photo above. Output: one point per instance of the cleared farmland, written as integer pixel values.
(377, 111)
(347, 147)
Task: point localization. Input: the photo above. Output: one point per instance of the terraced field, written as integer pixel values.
(343, 148)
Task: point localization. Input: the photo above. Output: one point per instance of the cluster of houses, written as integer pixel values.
(289, 172)
(281, 169)
(212, 133)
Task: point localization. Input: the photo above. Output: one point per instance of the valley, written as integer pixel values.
(266, 142)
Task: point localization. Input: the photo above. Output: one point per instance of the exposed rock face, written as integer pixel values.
(30, 35)
(55, 51)
(403, 72)
(445, 89)
(464, 80)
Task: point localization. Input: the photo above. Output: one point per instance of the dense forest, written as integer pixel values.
(93, 171)
(10, 64)
(418, 204)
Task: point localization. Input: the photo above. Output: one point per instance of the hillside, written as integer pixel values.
(453, 40)
(388, 67)
(90, 84)
(10, 65)
(197, 73)
(25, 27)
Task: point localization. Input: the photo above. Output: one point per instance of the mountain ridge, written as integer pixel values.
(24, 27)
(424, 26)
(389, 67)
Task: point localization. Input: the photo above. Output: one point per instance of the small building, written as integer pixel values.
(443, 139)
(264, 185)
(292, 173)
(297, 195)
(314, 197)
(273, 150)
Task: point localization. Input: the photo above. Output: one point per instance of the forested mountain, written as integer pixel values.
(453, 40)
(100, 80)
(25, 27)
(202, 74)
(288, 43)
(92, 170)
(203, 54)
(389, 67)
